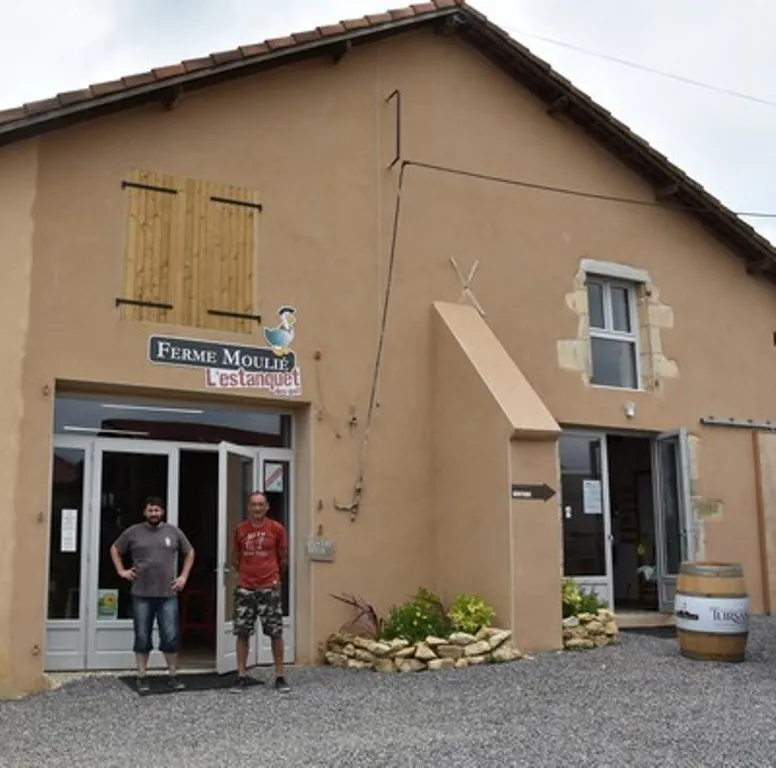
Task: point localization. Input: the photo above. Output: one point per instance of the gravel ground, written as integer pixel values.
(636, 704)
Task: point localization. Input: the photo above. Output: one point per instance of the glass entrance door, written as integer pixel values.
(68, 555)
(671, 462)
(237, 477)
(126, 472)
(587, 535)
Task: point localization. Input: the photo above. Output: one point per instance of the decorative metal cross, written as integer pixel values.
(466, 285)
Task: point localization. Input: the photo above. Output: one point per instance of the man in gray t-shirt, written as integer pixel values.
(154, 547)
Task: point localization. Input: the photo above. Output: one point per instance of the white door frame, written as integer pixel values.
(603, 584)
(289, 622)
(109, 643)
(666, 582)
(66, 638)
(226, 654)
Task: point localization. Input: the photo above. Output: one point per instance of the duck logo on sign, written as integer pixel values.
(272, 368)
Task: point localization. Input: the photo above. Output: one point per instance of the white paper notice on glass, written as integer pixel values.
(273, 477)
(592, 503)
(69, 535)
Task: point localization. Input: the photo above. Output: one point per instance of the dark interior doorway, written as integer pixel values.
(633, 522)
(198, 519)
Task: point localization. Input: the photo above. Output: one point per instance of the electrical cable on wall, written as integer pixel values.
(353, 507)
(355, 503)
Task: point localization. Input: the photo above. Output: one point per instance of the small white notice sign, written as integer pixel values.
(68, 539)
(273, 477)
(592, 503)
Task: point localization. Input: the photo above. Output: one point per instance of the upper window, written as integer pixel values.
(613, 333)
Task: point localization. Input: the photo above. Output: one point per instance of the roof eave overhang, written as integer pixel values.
(28, 126)
(672, 186)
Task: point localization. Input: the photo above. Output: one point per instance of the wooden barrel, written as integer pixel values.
(712, 611)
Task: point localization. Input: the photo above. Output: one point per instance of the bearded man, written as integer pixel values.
(154, 547)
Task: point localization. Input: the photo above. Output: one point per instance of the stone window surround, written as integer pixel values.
(652, 315)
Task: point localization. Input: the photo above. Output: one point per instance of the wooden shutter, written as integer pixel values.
(219, 262)
(151, 248)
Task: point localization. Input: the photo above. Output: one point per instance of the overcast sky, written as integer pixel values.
(726, 143)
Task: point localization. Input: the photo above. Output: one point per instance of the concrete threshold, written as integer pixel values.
(639, 619)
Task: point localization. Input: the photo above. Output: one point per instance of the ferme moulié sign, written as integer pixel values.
(237, 366)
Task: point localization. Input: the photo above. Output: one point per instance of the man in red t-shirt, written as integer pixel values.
(260, 554)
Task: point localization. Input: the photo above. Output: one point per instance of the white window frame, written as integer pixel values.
(608, 333)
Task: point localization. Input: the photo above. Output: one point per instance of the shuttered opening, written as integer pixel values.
(191, 244)
(148, 268)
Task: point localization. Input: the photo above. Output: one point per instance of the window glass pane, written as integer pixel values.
(277, 489)
(584, 540)
(595, 304)
(160, 420)
(672, 534)
(621, 319)
(67, 503)
(614, 363)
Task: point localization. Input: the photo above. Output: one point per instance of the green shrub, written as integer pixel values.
(469, 613)
(416, 619)
(571, 597)
(576, 600)
(590, 602)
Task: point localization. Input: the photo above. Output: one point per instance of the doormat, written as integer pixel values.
(210, 681)
(668, 633)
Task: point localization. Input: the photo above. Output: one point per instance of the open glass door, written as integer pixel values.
(237, 478)
(125, 473)
(587, 530)
(671, 462)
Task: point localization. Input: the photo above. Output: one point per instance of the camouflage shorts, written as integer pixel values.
(264, 604)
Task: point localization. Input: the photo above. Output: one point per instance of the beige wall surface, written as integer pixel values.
(470, 479)
(17, 205)
(315, 141)
(537, 544)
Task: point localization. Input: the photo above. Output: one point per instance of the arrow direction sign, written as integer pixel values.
(530, 492)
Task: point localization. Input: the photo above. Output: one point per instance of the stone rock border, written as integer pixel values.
(590, 630)
(459, 650)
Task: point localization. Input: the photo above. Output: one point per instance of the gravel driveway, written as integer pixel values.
(637, 704)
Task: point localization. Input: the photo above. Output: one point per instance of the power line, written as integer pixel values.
(575, 192)
(645, 68)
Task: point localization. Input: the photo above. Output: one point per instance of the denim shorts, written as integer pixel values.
(165, 610)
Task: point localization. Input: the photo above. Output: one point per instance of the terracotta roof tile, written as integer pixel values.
(15, 113)
(254, 50)
(308, 36)
(446, 3)
(103, 89)
(42, 105)
(280, 42)
(351, 24)
(73, 97)
(142, 78)
(224, 57)
(401, 13)
(332, 29)
(195, 65)
(379, 18)
(173, 70)
(423, 8)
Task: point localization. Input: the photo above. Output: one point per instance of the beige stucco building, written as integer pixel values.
(511, 340)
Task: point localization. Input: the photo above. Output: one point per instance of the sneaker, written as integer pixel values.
(142, 685)
(176, 683)
(239, 685)
(281, 686)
